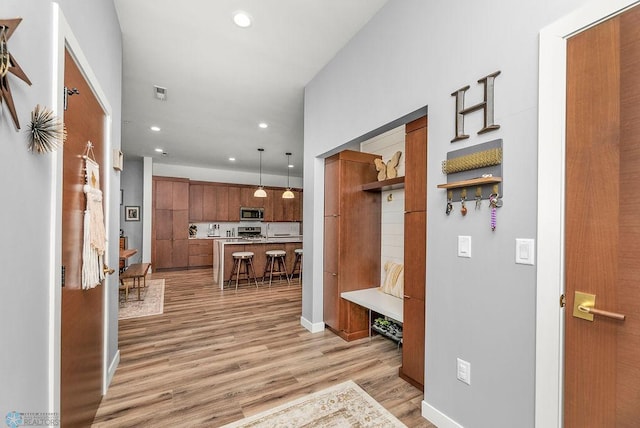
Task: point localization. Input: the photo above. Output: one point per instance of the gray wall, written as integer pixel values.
(131, 185)
(29, 247)
(415, 53)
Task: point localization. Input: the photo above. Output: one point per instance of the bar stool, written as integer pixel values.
(297, 264)
(275, 257)
(243, 258)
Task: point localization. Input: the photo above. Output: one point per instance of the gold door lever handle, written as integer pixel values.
(107, 270)
(600, 312)
(584, 307)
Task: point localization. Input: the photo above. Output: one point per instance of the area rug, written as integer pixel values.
(152, 302)
(343, 405)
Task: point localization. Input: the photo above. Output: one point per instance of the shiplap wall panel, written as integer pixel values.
(392, 223)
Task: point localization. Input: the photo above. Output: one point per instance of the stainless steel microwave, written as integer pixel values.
(251, 214)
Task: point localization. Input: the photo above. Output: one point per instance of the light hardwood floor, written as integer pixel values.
(216, 356)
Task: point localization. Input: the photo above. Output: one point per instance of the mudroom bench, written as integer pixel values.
(377, 301)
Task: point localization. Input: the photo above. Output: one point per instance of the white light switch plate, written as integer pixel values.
(463, 372)
(525, 251)
(464, 246)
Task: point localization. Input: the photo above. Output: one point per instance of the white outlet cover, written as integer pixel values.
(525, 251)
(464, 246)
(463, 372)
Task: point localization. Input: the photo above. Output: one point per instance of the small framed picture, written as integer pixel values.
(131, 213)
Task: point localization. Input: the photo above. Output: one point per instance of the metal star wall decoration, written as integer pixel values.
(8, 64)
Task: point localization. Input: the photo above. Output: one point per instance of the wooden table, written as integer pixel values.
(134, 272)
(125, 253)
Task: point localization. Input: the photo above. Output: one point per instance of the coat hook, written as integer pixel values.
(67, 93)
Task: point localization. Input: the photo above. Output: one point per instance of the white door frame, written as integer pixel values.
(551, 190)
(63, 39)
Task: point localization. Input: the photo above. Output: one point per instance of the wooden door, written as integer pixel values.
(234, 203)
(602, 250)
(332, 186)
(196, 203)
(415, 165)
(222, 203)
(415, 254)
(180, 244)
(412, 368)
(82, 321)
(415, 248)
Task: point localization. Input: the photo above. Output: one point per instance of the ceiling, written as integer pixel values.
(223, 80)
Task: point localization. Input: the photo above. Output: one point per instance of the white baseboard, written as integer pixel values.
(438, 418)
(111, 371)
(313, 328)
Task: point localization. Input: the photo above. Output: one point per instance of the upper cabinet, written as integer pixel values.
(195, 202)
(217, 202)
(171, 195)
(415, 182)
(286, 209)
(234, 203)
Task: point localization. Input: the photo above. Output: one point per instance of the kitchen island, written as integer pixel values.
(224, 247)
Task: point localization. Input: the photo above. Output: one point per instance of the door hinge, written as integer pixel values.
(563, 300)
(62, 272)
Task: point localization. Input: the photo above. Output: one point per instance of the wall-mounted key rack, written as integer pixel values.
(474, 171)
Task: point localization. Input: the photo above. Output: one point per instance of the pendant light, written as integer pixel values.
(288, 194)
(260, 192)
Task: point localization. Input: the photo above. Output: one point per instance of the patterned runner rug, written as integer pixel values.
(343, 405)
(152, 302)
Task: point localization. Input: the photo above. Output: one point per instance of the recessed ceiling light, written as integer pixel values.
(159, 150)
(242, 19)
(263, 125)
(155, 128)
(290, 166)
(232, 159)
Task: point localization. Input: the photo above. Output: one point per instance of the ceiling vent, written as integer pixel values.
(160, 93)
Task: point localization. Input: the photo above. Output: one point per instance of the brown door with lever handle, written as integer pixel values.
(602, 225)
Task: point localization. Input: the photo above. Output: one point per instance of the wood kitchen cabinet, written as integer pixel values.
(248, 200)
(415, 252)
(208, 202)
(259, 250)
(170, 223)
(287, 209)
(195, 202)
(234, 203)
(351, 240)
(201, 253)
(216, 202)
(415, 165)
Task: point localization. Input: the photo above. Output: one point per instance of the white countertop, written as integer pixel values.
(270, 240)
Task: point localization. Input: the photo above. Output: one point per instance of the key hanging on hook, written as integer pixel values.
(449, 208)
(463, 199)
(494, 204)
(478, 197)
